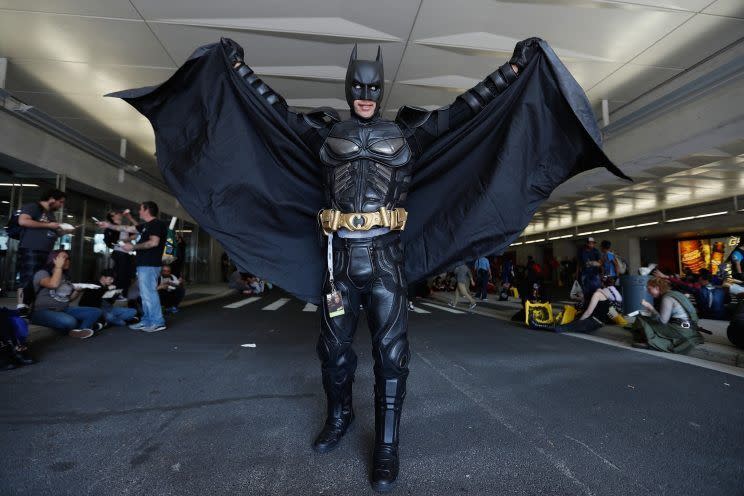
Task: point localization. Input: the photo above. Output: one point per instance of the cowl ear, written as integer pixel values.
(353, 54)
(379, 54)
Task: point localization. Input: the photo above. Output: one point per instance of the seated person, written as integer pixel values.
(710, 297)
(672, 327)
(241, 282)
(170, 289)
(114, 316)
(603, 304)
(54, 292)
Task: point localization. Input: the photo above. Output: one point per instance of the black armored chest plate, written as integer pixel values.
(367, 165)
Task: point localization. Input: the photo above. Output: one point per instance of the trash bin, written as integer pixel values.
(633, 289)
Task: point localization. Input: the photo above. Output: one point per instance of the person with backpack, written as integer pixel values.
(483, 272)
(37, 231)
(710, 296)
(610, 263)
(673, 327)
(588, 269)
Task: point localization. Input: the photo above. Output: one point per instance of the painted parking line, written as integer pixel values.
(276, 305)
(446, 309)
(241, 303)
(419, 310)
(309, 307)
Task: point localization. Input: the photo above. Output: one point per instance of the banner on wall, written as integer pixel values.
(705, 253)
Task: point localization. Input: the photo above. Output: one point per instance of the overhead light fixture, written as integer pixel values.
(554, 238)
(516, 244)
(567, 236)
(592, 232)
(680, 219)
(711, 214)
(625, 227)
(600, 231)
(6, 202)
(534, 241)
(25, 185)
(648, 224)
(701, 216)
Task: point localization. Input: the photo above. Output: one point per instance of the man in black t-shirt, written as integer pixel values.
(40, 232)
(149, 250)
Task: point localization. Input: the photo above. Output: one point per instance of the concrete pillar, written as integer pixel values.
(633, 255)
(605, 113)
(3, 72)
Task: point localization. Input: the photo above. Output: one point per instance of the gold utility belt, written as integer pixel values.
(333, 220)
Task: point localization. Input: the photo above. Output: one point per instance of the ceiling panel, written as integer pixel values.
(630, 81)
(616, 34)
(80, 77)
(389, 16)
(264, 49)
(102, 8)
(79, 39)
(732, 8)
(700, 37)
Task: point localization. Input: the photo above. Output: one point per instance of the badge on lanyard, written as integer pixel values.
(334, 302)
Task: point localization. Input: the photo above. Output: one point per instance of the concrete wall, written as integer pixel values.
(30, 144)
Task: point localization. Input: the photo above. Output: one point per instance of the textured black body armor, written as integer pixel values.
(367, 165)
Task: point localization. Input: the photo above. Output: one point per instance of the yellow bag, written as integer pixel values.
(567, 316)
(538, 312)
(514, 292)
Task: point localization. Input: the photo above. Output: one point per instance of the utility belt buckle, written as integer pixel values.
(332, 220)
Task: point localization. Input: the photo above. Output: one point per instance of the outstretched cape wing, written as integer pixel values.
(476, 188)
(247, 179)
(238, 169)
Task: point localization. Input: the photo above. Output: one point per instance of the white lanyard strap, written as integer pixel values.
(330, 261)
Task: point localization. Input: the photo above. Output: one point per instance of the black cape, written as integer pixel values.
(249, 181)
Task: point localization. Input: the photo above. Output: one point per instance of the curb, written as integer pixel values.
(711, 351)
(37, 333)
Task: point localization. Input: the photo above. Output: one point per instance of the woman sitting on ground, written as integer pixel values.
(673, 327)
(54, 292)
(600, 311)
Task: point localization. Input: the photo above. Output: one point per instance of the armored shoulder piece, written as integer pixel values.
(322, 117)
(412, 117)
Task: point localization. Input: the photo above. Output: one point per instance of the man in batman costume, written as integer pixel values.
(266, 180)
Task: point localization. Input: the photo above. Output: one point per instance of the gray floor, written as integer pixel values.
(492, 408)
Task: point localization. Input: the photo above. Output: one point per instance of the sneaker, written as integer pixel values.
(80, 333)
(23, 310)
(98, 326)
(471, 307)
(450, 304)
(154, 328)
(137, 326)
(485, 299)
(410, 305)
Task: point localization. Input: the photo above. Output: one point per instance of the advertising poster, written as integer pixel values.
(705, 253)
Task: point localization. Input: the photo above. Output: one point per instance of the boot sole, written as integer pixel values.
(382, 487)
(328, 448)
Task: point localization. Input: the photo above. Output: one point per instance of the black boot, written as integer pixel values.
(389, 396)
(6, 361)
(21, 357)
(340, 416)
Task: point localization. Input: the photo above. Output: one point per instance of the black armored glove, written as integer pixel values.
(524, 51)
(234, 51)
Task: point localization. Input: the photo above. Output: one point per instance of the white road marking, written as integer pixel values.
(309, 307)
(446, 309)
(419, 310)
(276, 305)
(240, 303)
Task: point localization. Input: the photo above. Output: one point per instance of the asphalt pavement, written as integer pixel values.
(492, 409)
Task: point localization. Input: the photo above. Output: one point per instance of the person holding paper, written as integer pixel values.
(54, 293)
(103, 296)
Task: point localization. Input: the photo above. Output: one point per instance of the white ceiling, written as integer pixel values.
(65, 54)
